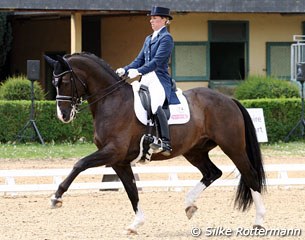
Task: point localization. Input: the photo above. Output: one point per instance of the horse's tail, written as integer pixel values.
(243, 198)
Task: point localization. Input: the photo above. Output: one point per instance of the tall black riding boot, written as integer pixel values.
(163, 145)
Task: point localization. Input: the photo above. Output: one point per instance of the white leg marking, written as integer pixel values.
(259, 206)
(56, 202)
(138, 221)
(194, 193)
(140, 153)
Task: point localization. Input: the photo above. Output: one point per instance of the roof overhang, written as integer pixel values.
(209, 6)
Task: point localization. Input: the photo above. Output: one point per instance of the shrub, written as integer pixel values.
(281, 115)
(19, 88)
(50, 127)
(256, 87)
(5, 40)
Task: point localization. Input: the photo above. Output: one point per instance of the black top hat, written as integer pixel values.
(160, 11)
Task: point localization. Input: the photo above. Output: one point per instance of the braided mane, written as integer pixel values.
(97, 60)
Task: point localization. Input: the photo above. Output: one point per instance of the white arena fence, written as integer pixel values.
(9, 178)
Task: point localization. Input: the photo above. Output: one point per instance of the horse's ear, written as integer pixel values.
(60, 58)
(63, 62)
(50, 61)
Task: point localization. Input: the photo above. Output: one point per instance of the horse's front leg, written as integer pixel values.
(127, 177)
(95, 159)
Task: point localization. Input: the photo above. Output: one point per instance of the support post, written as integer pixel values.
(76, 32)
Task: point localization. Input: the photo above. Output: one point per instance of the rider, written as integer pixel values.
(152, 63)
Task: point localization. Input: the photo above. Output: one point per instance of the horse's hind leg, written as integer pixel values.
(210, 173)
(260, 209)
(249, 180)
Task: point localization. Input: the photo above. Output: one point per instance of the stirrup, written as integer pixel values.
(162, 147)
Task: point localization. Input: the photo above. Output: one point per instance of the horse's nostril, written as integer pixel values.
(65, 115)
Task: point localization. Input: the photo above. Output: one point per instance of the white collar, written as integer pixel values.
(155, 33)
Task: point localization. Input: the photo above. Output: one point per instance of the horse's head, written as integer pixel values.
(70, 88)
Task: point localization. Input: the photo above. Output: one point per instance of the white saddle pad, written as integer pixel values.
(180, 113)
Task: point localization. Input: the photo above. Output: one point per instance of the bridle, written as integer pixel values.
(76, 99)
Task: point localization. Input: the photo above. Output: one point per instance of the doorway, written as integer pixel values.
(227, 61)
(91, 34)
(228, 50)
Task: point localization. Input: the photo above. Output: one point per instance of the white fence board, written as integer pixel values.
(173, 181)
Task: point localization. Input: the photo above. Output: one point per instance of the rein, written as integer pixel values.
(78, 100)
(107, 91)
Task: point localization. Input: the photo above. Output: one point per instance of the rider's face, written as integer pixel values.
(157, 22)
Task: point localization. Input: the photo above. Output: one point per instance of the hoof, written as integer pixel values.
(56, 202)
(130, 231)
(258, 227)
(190, 210)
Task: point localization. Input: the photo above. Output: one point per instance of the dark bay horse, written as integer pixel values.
(216, 120)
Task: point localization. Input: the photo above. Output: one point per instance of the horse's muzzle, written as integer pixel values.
(65, 115)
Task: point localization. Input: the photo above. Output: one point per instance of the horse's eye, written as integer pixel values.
(65, 79)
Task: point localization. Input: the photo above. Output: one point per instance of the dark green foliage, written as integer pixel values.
(19, 88)
(281, 115)
(256, 87)
(15, 114)
(5, 39)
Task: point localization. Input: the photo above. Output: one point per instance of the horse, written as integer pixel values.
(216, 120)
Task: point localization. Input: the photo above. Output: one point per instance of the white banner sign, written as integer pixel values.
(257, 116)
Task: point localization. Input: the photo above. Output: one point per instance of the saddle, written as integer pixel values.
(176, 114)
(145, 100)
(144, 95)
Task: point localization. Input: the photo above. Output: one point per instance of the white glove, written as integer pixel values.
(120, 72)
(132, 73)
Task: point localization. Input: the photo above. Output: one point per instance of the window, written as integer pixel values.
(189, 61)
(278, 59)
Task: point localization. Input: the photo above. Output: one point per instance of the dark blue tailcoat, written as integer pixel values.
(154, 56)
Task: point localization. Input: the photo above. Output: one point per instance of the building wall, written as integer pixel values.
(194, 27)
(270, 28)
(122, 37)
(32, 38)
(262, 28)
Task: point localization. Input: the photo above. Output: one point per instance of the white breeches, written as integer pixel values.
(156, 90)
